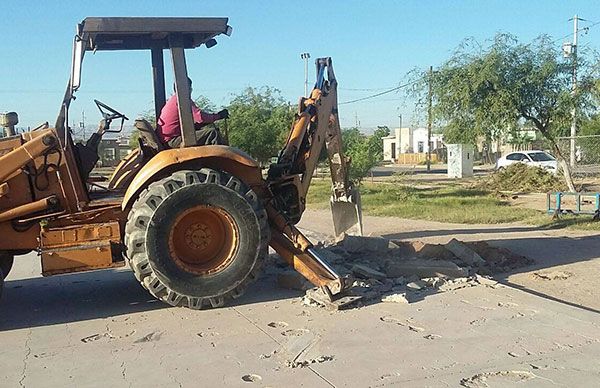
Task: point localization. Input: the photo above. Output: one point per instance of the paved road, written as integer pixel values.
(101, 329)
(436, 169)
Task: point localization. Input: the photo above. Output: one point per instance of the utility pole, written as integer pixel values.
(429, 118)
(399, 139)
(573, 52)
(305, 56)
(82, 125)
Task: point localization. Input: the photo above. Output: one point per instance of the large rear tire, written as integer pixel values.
(6, 263)
(197, 238)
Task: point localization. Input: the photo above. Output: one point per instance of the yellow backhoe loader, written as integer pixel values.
(194, 223)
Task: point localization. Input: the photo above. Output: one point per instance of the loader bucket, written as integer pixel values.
(347, 214)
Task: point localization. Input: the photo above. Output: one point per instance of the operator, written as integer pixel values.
(169, 128)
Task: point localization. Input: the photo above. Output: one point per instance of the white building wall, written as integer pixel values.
(406, 140)
(389, 142)
(419, 142)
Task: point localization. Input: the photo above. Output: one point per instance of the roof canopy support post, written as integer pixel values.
(158, 76)
(182, 88)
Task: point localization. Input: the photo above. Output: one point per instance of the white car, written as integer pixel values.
(531, 158)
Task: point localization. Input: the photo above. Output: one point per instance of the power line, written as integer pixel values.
(586, 29)
(366, 89)
(380, 94)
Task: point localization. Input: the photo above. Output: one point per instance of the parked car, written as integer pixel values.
(531, 158)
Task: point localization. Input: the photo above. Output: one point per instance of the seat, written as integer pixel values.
(148, 135)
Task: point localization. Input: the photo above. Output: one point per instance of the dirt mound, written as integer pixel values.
(522, 178)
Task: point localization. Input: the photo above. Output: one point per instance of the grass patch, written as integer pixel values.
(444, 204)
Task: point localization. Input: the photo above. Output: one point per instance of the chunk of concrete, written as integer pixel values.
(367, 272)
(330, 256)
(416, 286)
(399, 297)
(464, 253)
(424, 268)
(355, 244)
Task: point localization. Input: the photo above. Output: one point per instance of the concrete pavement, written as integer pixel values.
(102, 329)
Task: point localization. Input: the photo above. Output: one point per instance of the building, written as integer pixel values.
(409, 141)
(112, 151)
(391, 146)
(419, 141)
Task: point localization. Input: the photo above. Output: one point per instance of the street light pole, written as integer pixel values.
(305, 56)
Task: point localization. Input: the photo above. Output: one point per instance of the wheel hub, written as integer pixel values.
(203, 240)
(198, 236)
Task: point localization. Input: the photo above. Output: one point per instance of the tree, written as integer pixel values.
(375, 142)
(591, 125)
(487, 91)
(259, 121)
(205, 104)
(362, 152)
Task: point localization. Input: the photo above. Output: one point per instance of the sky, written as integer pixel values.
(373, 44)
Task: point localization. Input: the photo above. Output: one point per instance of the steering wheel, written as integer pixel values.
(109, 114)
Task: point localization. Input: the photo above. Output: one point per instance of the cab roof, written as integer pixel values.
(139, 33)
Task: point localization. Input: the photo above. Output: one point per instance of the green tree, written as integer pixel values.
(259, 121)
(205, 104)
(487, 91)
(375, 142)
(362, 152)
(591, 125)
(134, 139)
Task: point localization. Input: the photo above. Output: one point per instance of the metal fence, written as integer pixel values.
(582, 153)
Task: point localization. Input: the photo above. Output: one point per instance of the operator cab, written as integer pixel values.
(137, 33)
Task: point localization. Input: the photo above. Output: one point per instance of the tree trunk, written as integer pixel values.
(564, 165)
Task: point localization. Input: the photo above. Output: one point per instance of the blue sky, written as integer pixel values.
(373, 45)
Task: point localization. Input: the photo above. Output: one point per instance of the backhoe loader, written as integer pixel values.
(194, 223)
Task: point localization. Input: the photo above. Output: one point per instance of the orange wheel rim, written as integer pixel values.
(203, 240)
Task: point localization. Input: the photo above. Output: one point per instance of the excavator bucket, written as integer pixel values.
(347, 214)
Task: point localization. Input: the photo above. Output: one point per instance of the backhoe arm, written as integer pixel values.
(316, 125)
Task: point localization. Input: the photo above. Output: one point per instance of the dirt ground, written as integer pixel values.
(539, 327)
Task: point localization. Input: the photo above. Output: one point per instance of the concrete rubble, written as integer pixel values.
(394, 271)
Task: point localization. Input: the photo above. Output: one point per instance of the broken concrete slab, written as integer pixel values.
(423, 268)
(330, 256)
(354, 244)
(464, 253)
(367, 272)
(416, 286)
(420, 249)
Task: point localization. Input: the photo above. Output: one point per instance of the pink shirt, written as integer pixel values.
(168, 122)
